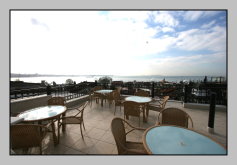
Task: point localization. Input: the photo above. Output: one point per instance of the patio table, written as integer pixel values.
(175, 140)
(143, 101)
(103, 93)
(15, 120)
(45, 113)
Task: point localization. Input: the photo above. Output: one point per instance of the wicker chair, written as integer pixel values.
(158, 105)
(24, 136)
(110, 97)
(174, 116)
(123, 146)
(56, 101)
(132, 108)
(94, 95)
(118, 101)
(76, 118)
(142, 93)
(119, 89)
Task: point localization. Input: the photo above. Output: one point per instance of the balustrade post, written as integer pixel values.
(48, 90)
(212, 110)
(153, 90)
(185, 93)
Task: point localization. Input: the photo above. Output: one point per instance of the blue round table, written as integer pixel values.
(178, 140)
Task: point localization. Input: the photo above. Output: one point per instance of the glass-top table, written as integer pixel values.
(15, 120)
(138, 99)
(143, 101)
(178, 140)
(42, 113)
(103, 93)
(45, 113)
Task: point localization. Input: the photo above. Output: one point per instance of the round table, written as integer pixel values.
(42, 113)
(142, 100)
(45, 113)
(138, 99)
(178, 140)
(103, 93)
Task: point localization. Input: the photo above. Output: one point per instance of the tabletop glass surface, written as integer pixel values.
(176, 140)
(104, 91)
(138, 99)
(43, 112)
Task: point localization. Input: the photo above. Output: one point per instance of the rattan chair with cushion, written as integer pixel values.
(158, 105)
(123, 146)
(132, 108)
(142, 93)
(24, 136)
(75, 118)
(174, 116)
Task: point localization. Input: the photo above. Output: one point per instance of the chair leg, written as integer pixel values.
(41, 149)
(83, 125)
(81, 132)
(139, 121)
(114, 109)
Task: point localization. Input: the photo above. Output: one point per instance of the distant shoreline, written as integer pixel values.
(16, 75)
(59, 79)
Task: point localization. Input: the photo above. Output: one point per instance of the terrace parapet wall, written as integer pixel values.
(18, 106)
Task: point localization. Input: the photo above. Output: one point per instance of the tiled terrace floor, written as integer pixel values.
(98, 138)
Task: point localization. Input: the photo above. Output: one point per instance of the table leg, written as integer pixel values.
(144, 114)
(63, 125)
(102, 100)
(54, 134)
(58, 126)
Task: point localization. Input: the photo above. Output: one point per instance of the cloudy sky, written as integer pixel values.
(170, 43)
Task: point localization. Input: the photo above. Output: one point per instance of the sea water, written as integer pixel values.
(78, 79)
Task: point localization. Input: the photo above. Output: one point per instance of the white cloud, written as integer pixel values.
(213, 39)
(189, 65)
(208, 25)
(167, 29)
(166, 19)
(195, 15)
(117, 43)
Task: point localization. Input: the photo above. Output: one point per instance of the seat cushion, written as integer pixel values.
(72, 120)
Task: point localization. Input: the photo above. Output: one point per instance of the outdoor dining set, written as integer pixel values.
(173, 133)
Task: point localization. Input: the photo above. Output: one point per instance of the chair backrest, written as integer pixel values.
(81, 109)
(175, 116)
(96, 88)
(118, 131)
(116, 95)
(142, 93)
(119, 89)
(165, 99)
(56, 101)
(132, 108)
(110, 96)
(26, 135)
